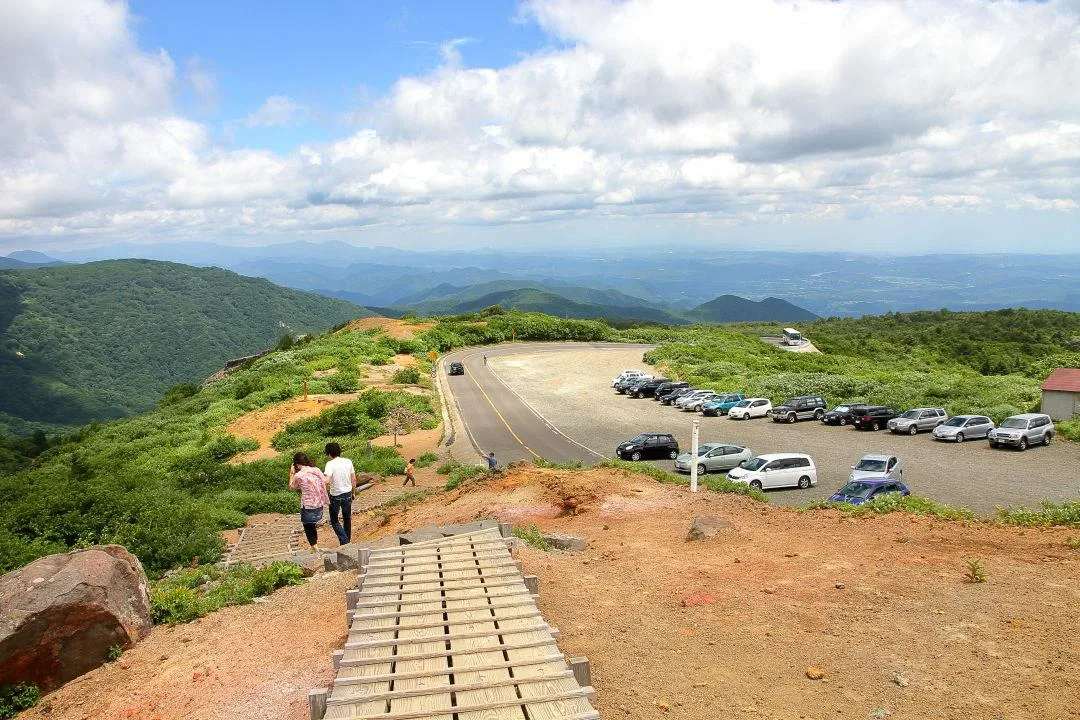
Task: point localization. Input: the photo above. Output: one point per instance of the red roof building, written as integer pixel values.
(1061, 394)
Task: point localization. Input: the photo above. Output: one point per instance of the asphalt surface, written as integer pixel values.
(497, 420)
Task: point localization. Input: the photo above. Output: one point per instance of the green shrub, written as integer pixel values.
(16, 698)
(406, 376)
(895, 502)
(195, 592)
(531, 536)
(457, 473)
(713, 483)
(343, 382)
(426, 460)
(114, 652)
(178, 392)
(1069, 430)
(1067, 513)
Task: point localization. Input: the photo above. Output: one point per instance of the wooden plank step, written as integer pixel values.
(547, 642)
(484, 707)
(462, 582)
(398, 694)
(346, 678)
(383, 592)
(481, 604)
(357, 644)
(358, 629)
(469, 564)
(457, 543)
(397, 602)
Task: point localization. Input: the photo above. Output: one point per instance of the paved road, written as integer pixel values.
(497, 419)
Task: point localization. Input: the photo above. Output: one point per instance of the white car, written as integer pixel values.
(684, 402)
(877, 466)
(626, 375)
(776, 470)
(750, 408)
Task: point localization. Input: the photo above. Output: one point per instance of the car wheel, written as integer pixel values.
(818, 414)
(1046, 438)
(804, 482)
(756, 484)
(843, 421)
(635, 456)
(1023, 444)
(913, 430)
(959, 437)
(673, 454)
(791, 417)
(701, 470)
(875, 426)
(993, 444)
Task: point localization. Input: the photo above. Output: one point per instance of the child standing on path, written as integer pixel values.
(305, 477)
(409, 478)
(342, 476)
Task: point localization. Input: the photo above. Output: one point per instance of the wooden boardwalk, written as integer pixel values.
(447, 630)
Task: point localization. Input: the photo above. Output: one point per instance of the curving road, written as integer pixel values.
(495, 418)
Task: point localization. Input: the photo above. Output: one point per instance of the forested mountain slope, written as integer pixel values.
(106, 339)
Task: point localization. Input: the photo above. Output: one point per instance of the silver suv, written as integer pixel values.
(917, 420)
(1023, 430)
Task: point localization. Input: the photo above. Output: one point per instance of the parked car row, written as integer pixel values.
(1019, 431)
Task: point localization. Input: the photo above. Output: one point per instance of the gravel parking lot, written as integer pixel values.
(572, 391)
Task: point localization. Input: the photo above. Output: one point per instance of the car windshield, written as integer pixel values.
(855, 490)
(744, 403)
(870, 465)
(638, 439)
(753, 464)
(911, 415)
(1015, 423)
(956, 421)
(841, 408)
(705, 449)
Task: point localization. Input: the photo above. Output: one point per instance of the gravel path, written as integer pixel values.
(572, 391)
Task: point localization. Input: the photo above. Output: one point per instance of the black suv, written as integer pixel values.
(799, 408)
(455, 368)
(843, 414)
(648, 445)
(669, 387)
(622, 386)
(647, 388)
(675, 395)
(874, 417)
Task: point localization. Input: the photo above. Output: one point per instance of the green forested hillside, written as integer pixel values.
(105, 339)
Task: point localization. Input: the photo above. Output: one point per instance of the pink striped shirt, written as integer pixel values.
(312, 486)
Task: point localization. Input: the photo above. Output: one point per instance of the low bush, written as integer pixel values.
(406, 376)
(1069, 430)
(457, 473)
(531, 536)
(1067, 513)
(426, 460)
(192, 593)
(894, 502)
(715, 483)
(16, 698)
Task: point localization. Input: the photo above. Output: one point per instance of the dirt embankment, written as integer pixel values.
(718, 628)
(397, 329)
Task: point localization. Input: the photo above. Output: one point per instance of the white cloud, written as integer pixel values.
(278, 110)
(718, 112)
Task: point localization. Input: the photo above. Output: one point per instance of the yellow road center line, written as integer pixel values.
(516, 437)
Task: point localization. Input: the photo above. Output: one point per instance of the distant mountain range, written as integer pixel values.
(27, 259)
(106, 339)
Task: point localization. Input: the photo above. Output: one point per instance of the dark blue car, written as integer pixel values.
(864, 490)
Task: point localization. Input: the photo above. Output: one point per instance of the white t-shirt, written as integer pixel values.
(340, 471)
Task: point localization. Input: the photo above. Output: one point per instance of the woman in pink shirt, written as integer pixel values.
(311, 483)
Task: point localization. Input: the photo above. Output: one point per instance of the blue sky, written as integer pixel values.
(872, 125)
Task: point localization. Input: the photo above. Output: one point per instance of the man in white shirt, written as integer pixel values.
(342, 476)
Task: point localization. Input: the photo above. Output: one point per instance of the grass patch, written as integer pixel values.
(531, 536)
(16, 698)
(976, 572)
(1073, 543)
(1067, 513)
(426, 460)
(1069, 430)
(192, 593)
(406, 499)
(715, 483)
(457, 473)
(894, 502)
(542, 463)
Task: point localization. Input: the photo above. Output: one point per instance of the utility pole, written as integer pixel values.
(693, 456)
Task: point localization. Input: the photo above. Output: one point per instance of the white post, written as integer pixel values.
(693, 456)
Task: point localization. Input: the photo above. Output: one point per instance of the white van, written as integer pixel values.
(776, 470)
(626, 375)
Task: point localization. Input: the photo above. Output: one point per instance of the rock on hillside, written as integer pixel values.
(60, 614)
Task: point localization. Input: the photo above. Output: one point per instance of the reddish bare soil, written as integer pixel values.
(718, 628)
(397, 329)
(264, 424)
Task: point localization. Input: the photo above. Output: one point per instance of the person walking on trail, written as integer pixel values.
(305, 477)
(485, 359)
(342, 476)
(409, 477)
(491, 462)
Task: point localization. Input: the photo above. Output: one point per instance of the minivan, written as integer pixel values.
(776, 470)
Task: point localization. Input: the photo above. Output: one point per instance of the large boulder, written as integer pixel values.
(60, 614)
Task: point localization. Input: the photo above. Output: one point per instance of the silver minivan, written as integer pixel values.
(1023, 430)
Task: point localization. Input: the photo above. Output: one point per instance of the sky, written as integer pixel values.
(875, 125)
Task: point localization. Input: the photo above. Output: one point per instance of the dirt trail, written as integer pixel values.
(397, 329)
(719, 628)
(264, 424)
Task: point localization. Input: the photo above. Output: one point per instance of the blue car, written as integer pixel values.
(722, 404)
(866, 489)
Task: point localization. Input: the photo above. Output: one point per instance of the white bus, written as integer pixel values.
(793, 337)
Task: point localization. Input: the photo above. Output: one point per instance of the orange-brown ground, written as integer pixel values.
(397, 329)
(718, 628)
(264, 424)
